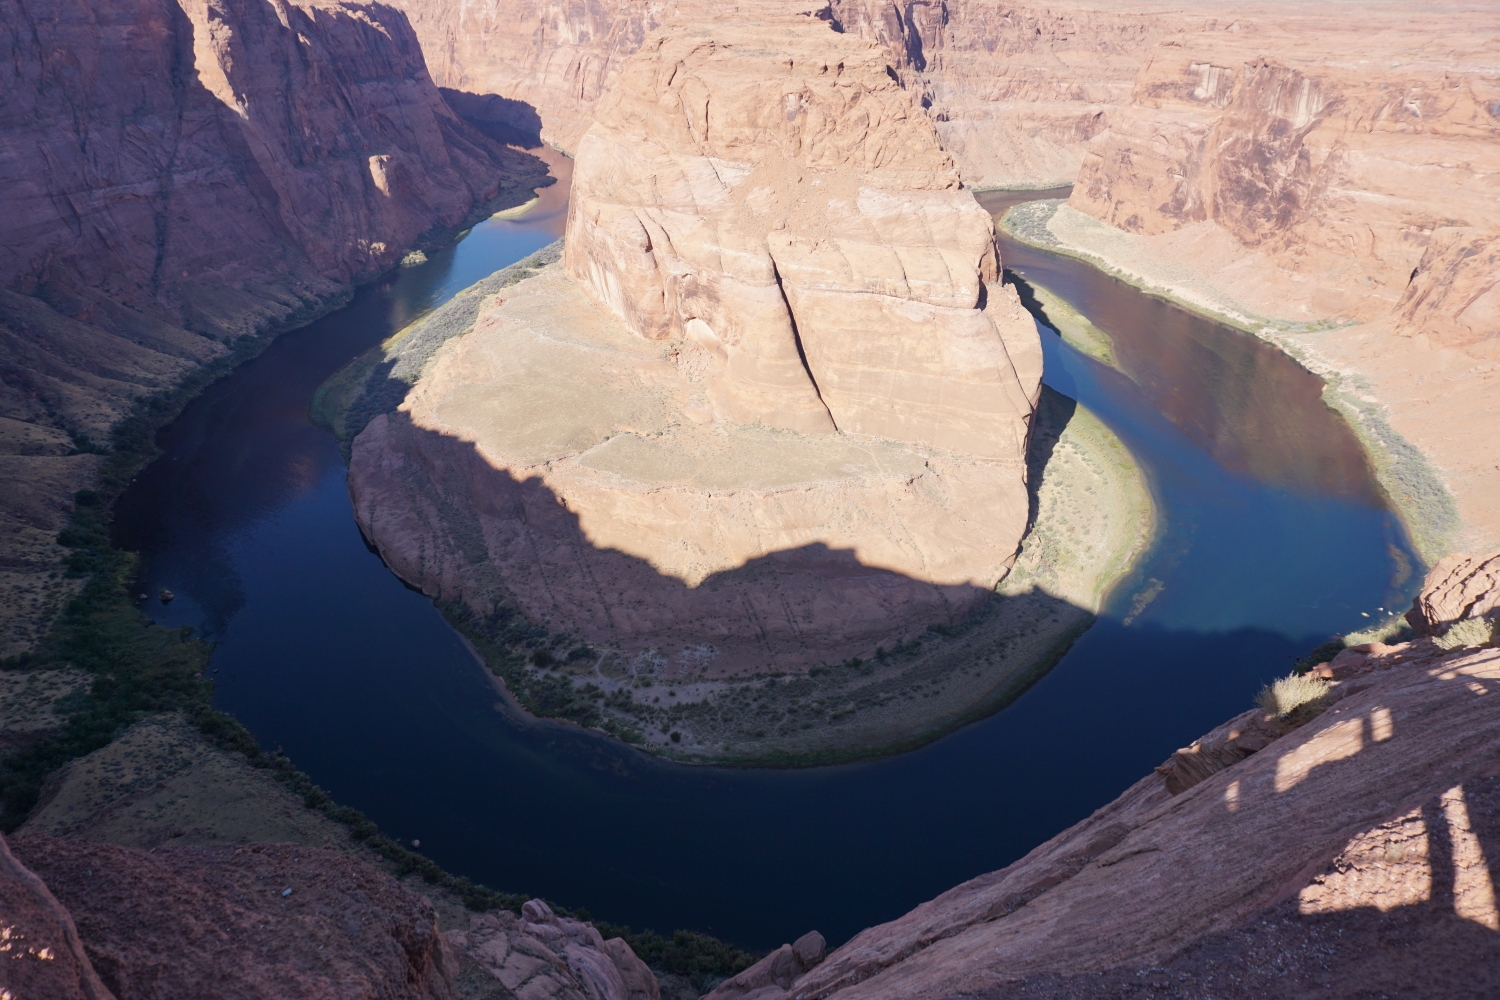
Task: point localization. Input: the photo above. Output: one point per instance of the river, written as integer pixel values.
(1273, 538)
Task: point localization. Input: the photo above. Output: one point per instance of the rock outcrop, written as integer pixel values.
(794, 217)
(775, 415)
(274, 920)
(539, 953)
(1348, 855)
(173, 177)
(1457, 588)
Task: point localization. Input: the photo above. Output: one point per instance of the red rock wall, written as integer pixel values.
(174, 175)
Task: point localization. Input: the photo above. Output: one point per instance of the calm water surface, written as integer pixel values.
(1273, 539)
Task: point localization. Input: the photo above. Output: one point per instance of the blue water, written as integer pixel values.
(1273, 538)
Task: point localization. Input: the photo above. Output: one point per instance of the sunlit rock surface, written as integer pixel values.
(1351, 854)
(778, 414)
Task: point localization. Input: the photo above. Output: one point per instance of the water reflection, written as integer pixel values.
(246, 449)
(1236, 396)
(322, 651)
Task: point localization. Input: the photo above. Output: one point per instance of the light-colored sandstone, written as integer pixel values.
(761, 187)
(607, 502)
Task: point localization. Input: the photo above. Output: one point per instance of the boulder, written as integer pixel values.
(772, 977)
(1458, 587)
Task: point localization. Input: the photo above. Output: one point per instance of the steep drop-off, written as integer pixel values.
(175, 177)
(1298, 169)
(1347, 848)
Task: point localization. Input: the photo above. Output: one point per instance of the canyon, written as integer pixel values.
(1238, 163)
(787, 437)
(180, 182)
(185, 179)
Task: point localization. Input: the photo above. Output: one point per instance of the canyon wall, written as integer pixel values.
(1242, 142)
(1015, 91)
(1345, 848)
(173, 177)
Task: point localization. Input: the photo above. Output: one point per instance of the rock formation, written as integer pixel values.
(174, 177)
(1349, 855)
(778, 249)
(273, 920)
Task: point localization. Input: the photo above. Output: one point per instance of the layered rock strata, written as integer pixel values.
(1352, 854)
(774, 416)
(1344, 208)
(1260, 172)
(175, 176)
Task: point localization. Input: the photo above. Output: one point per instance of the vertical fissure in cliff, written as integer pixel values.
(797, 339)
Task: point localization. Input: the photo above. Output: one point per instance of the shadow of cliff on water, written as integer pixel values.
(504, 119)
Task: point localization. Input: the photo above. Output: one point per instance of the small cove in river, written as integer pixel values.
(1273, 537)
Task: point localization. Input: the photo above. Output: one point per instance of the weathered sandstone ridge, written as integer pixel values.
(787, 253)
(762, 190)
(173, 177)
(1296, 169)
(1351, 854)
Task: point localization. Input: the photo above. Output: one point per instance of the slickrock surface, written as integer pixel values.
(1352, 856)
(174, 176)
(40, 952)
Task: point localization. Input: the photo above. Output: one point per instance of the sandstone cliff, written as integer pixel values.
(174, 177)
(776, 422)
(1350, 854)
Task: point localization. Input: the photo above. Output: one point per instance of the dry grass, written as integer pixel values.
(1287, 694)
(1469, 632)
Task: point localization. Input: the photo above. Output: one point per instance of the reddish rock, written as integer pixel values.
(41, 956)
(1458, 587)
(181, 922)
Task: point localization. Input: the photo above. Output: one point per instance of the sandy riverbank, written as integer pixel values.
(1416, 409)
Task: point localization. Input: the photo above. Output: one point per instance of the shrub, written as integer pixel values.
(1287, 694)
(1469, 632)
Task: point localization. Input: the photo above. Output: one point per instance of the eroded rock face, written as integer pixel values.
(544, 955)
(174, 176)
(1278, 871)
(764, 190)
(1458, 587)
(777, 249)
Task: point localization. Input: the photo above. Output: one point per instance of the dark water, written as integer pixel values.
(1272, 542)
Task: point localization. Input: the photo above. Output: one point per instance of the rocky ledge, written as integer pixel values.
(1341, 846)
